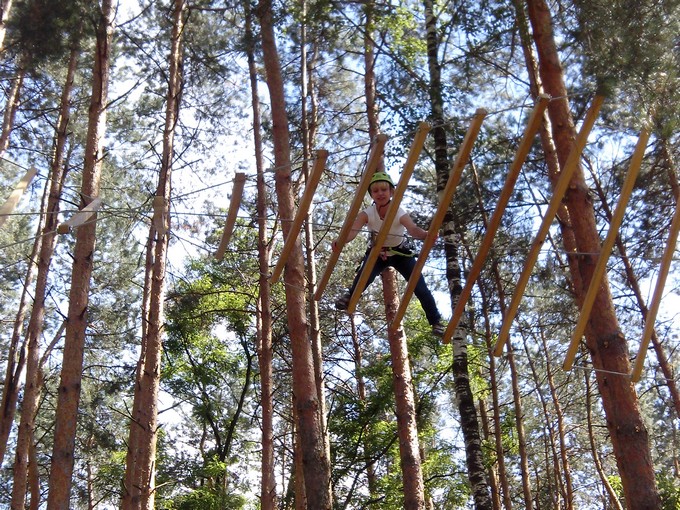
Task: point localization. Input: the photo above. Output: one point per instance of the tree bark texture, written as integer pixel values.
(476, 471)
(139, 490)
(404, 395)
(5, 9)
(31, 353)
(316, 463)
(74, 344)
(12, 104)
(265, 350)
(604, 339)
(409, 446)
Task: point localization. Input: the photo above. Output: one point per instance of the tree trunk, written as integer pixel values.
(139, 490)
(30, 352)
(483, 415)
(12, 104)
(265, 350)
(611, 493)
(16, 353)
(504, 489)
(315, 461)
(568, 491)
(5, 9)
(409, 449)
(604, 339)
(74, 344)
(309, 129)
(476, 470)
(371, 478)
(409, 446)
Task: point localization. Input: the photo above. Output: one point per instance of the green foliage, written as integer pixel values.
(404, 31)
(43, 29)
(206, 498)
(669, 490)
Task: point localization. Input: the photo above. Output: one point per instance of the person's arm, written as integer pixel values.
(413, 229)
(359, 222)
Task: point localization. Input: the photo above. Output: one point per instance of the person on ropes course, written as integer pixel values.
(395, 252)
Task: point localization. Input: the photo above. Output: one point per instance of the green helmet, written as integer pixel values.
(381, 176)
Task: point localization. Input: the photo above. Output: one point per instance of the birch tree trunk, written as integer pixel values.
(74, 344)
(139, 490)
(604, 338)
(316, 463)
(476, 470)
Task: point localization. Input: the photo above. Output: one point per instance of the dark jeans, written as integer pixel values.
(405, 267)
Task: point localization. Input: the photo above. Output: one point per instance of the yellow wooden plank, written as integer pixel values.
(11, 203)
(666, 261)
(605, 251)
(234, 204)
(372, 163)
(555, 202)
(455, 174)
(303, 207)
(533, 125)
(414, 154)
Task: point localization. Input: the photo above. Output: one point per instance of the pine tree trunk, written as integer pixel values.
(565, 477)
(486, 429)
(315, 461)
(5, 9)
(30, 354)
(361, 393)
(613, 498)
(16, 353)
(409, 447)
(139, 490)
(309, 128)
(264, 315)
(504, 486)
(514, 378)
(604, 338)
(74, 344)
(12, 104)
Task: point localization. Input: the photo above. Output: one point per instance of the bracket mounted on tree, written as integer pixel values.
(160, 223)
(80, 217)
